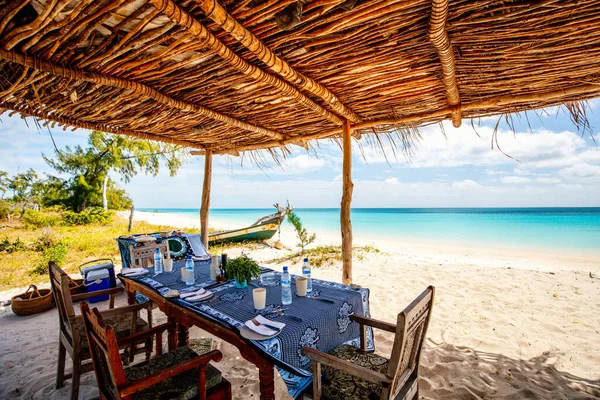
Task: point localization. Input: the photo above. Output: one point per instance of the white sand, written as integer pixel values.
(506, 324)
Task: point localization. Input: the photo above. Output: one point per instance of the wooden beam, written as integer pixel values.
(207, 39)
(585, 91)
(438, 36)
(136, 87)
(205, 207)
(27, 111)
(345, 221)
(219, 15)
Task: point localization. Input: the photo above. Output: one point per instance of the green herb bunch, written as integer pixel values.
(243, 269)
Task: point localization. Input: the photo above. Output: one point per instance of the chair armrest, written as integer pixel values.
(124, 310)
(145, 334)
(386, 326)
(347, 367)
(77, 319)
(159, 376)
(85, 296)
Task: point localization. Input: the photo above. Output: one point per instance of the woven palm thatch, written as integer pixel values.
(235, 75)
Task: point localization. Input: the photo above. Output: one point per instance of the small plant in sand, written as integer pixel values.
(304, 238)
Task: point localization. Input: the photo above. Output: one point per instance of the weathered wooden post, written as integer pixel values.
(204, 209)
(130, 227)
(345, 221)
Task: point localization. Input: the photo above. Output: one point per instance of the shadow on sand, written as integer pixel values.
(453, 372)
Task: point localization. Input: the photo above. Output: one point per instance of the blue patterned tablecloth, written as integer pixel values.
(323, 326)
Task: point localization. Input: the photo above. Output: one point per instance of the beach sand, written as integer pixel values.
(505, 324)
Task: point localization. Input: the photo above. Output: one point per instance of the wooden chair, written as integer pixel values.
(353, 373)
(143, 256)
(180, 373)
(72, 337)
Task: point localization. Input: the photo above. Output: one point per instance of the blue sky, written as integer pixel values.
(556, 166)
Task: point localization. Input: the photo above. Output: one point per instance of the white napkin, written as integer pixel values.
(265, 321)
(262, 329)
(144, 272)
(126, 271)
(192, 294)
(201, 297)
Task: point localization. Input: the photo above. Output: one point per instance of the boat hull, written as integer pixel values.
(252, 233)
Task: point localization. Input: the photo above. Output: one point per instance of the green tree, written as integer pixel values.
(304, 238)
(4, 181)
(26, 189)
(90, 167)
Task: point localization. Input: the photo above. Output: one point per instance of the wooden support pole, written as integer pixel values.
(345, 220)
(204, 209)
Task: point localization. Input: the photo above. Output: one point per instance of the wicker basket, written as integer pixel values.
(76, 286)
(33, 302)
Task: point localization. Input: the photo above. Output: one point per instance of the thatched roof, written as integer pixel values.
(250, 74)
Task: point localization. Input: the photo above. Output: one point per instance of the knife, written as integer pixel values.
(321, 299)
(214, 285)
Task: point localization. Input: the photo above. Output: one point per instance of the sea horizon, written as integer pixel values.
(561, 229)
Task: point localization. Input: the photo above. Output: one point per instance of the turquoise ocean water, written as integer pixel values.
(573, 230)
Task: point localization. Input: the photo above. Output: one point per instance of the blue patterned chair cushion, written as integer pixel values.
(181, 387)
(121, 324)
(338, 385)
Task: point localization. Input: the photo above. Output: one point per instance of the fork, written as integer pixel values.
(280, 312)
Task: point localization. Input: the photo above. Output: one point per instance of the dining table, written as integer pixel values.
(319, 320)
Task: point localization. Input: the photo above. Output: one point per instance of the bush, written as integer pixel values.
(88, 216)
(40, 219)
(47, 238)
(7, 246)
(56, 253)
(4, 210)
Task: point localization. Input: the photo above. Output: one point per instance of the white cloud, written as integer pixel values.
(302, 163)
(514, 179)
(462, 147)
(391, 181)
(466, 184)
(581, 172)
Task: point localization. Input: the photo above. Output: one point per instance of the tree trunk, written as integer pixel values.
(131, 219)
(206, 198)
(104, 188)
(345, 221)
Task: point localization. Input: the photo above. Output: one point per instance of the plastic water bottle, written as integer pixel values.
(286, 287)
(306, 274)
(189, 271)
(158, 262)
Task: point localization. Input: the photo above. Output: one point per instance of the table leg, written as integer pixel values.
(131, 297)
(267, 383)
(172, 336)
(183, 335)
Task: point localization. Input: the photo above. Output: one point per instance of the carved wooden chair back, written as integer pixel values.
(59, 280)
(411, 329)
(143, 256)
(104, 351)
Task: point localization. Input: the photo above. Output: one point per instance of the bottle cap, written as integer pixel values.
(189, 257)
(285, 269)
(306, 260)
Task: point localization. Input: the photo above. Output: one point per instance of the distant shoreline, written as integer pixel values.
(489, 256)
(564, 231)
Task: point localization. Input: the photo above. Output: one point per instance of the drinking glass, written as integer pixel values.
(259, 296)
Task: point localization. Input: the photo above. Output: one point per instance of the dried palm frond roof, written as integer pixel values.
(234, 75)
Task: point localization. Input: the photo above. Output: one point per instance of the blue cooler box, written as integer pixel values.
(96, 280)
(104, 272)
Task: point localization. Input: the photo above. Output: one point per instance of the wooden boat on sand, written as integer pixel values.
(263, 229)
